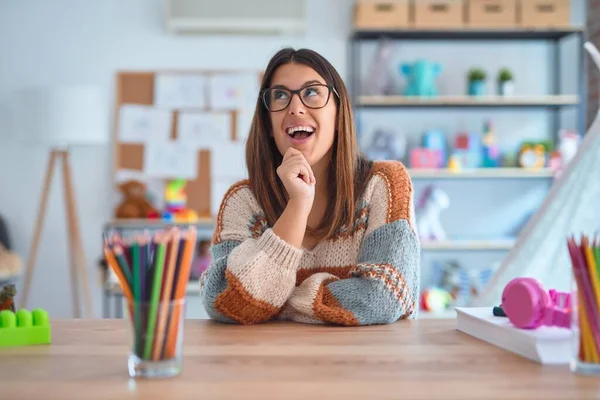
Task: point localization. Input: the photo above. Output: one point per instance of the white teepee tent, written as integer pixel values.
(571, 207)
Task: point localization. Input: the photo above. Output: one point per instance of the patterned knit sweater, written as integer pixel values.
(370, 276)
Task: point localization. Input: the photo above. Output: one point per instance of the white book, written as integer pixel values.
(545, 345)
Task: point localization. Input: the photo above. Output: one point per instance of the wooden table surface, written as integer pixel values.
(419, 359)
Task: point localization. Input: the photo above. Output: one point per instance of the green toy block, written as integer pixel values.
(24, 328)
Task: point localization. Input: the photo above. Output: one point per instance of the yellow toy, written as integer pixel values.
(176, 201)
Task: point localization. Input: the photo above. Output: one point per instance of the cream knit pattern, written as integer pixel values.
(370, 276)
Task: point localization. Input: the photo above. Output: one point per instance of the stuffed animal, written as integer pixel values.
(381, 80)
(421, 78)
(134, 204)
(569, 143)
(428, 211)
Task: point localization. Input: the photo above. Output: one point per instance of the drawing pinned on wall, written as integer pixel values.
(180, 90)
(243, 124)
(203, 129)
(170, 159)
(144, 124)
(233, 91)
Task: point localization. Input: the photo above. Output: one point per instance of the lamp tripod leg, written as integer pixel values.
(78, 265)
(38, 229)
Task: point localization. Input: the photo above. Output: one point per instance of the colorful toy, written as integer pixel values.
(436, 140)
(435, 300)
(7, 297)
(424, 158)
(24, 328)
(490, 150)
(428, 211)
(176, 201)
(528, 305)
(568, 146)
(421, 78)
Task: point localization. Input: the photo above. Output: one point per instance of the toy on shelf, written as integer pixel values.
(435, 300)
(7, 297)
(568, 146)
(386, 145)
(428, 211)
(421, 77)
(467, 147)
(491, 152)
(24, 328)
(381, 80)
(435, 140)
(134, 204)
(176, 201)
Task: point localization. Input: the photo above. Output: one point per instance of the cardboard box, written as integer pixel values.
(439, 14)
(492, 13)
(544, 13)
(381, 14)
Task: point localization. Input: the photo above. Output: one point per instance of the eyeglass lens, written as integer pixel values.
(314, 96)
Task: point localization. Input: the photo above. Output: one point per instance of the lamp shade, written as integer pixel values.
(61, 116)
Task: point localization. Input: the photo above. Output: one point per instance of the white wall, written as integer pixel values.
(74, 42)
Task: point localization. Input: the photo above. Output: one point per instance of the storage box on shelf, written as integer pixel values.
(438, 14)
(370, 14)
(544, 13)
(491, 13)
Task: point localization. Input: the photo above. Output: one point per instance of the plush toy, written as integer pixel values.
(386, 145)
(431, 204)
(134, 204)
(569, 143)
(421, 78)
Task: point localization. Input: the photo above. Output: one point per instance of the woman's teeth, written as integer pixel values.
(293, 130)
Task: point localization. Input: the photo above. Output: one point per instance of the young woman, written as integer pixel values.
(317, 234)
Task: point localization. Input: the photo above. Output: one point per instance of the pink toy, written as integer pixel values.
(528, 306)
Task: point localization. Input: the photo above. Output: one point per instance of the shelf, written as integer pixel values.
(469, 34)
(481, 173)
(473, 245)
(468, 101)
(134, 223)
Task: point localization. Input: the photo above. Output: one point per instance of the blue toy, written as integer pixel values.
(421, 78)
(436, 140)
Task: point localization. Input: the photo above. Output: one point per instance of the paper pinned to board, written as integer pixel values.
(144, 124)
(180, 90)
(203, 129)
(228, 161)
(233, 90)
(243, 124)
(170, 159)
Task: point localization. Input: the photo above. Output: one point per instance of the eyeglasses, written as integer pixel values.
(312, 96)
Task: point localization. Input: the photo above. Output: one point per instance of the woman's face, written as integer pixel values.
(312, 131)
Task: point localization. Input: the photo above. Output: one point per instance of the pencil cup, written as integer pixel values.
(157, 336)
(585, 306)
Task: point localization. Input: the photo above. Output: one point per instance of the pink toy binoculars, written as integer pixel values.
(528, 305)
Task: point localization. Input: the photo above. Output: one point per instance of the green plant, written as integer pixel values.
(504, 75)
(476, 74)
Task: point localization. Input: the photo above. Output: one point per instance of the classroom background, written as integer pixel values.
(485, 101)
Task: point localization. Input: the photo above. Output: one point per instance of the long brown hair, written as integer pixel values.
(348, 173)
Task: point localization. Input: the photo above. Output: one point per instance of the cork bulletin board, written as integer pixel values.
(138, 88)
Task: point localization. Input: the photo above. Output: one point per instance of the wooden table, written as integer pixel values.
(420, 359)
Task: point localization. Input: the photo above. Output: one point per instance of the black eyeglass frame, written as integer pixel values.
(297, 91)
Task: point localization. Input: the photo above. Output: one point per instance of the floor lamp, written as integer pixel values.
(60, 119)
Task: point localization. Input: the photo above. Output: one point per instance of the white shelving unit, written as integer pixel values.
(468, 245)
(467, 101)
(481, 173)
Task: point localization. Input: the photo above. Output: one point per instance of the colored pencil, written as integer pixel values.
(153, 272)
(586, 267)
